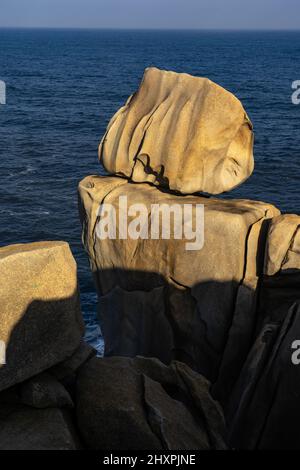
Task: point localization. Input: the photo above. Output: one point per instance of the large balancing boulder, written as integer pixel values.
(180, 132)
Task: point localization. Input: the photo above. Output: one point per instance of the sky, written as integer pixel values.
(158, 14)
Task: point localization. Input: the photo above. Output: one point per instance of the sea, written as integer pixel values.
(63, 86)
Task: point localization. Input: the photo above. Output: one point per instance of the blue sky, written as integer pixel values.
(185, 14)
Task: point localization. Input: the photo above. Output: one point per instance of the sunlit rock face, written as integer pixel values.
(180, 132)
(40, 318)
(283, 245)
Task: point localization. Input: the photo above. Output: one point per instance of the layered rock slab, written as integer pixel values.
(159, 299)
(180, 132)
(40, 317)
(141, 404)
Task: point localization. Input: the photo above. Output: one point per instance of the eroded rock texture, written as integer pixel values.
(180, 132)
(159, 299)
(281, 281)
(24, 428)
(44, 391)
(229, 309)
(135, 404)
(264, 407)
(40, 318)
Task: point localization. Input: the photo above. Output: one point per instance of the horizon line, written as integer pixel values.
(108, 28)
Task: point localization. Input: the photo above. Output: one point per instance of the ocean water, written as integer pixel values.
(64, 85)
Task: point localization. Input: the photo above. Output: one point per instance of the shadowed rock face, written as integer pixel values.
(40, 318)
(280, 283)
(44, 391)
(25, 428)
(263, 409)
(135, 404)
(180, 132)
(158, 299)
(264, 406)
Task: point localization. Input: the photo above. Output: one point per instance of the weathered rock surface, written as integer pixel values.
(69, 367)
(159, 299)
(263, 409)
(180, 132)
(66, 372)
(24, 428)
(40, 318)
(283, 245)
(44, 391)
(280, 287)
(135, 404)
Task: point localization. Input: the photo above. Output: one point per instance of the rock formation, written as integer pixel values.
(229, 309)
(159, 299)
(263, 410)
(213, 302)
(140, 404)
(180, 132)
(24, 428)
(44, 391)
(54, 395)
(41, 327)
(40, 318)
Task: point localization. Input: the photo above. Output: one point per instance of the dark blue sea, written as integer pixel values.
(64, 85)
